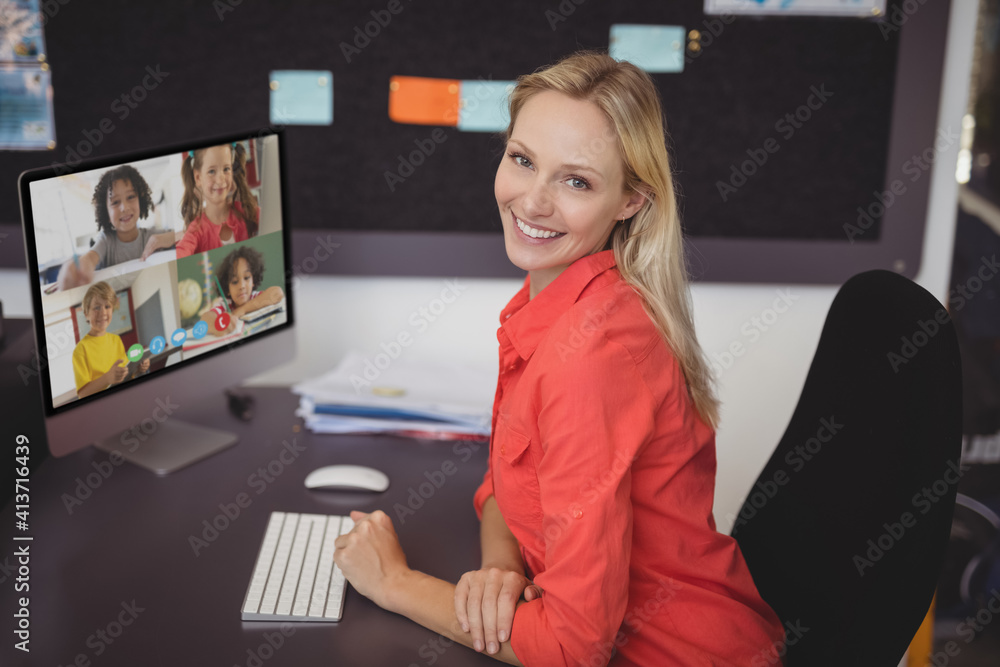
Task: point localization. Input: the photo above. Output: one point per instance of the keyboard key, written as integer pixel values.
(294, 577)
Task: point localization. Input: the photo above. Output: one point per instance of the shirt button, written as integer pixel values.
(503, 450)
(577, 513)
(507, 316)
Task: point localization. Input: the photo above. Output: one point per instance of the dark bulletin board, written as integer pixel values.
(731, 98)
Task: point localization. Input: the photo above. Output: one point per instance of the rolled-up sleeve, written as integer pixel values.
(596, 414)
(483, 493)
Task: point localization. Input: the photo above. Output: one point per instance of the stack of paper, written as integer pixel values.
(441, 401)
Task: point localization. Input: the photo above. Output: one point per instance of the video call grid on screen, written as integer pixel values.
(169, 309)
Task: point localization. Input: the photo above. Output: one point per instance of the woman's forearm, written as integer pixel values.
(431, 603)
(499, 546)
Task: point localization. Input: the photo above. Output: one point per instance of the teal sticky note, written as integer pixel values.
(482, 105)
(654, 48)
(301, 97)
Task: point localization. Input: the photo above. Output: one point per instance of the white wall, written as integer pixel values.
(760, 389)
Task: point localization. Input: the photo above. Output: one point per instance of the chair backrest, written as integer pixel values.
(846, 528)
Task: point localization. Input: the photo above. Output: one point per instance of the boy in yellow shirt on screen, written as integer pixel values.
(99, 359)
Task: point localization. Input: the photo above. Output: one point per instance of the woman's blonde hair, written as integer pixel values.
(101, 291)
(649, 247)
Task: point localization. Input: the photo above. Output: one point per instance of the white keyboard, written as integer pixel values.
(295, 578)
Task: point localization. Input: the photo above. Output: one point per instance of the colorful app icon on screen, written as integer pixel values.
(135, 352)
(200, 329)
(158, 344)
(222, 321)
(178, 337)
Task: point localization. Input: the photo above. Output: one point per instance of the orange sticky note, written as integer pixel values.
(419, 100)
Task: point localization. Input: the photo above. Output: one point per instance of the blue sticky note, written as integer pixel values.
(301, 97)
(482, 105)
(654, 48)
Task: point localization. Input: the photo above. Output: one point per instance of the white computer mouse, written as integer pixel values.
(347, 477)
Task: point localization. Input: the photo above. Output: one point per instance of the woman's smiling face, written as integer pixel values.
(560, 186)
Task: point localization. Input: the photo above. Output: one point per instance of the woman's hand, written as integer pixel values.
(370, 556)
(485, 601)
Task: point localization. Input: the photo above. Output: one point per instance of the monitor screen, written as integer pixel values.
(146, 263)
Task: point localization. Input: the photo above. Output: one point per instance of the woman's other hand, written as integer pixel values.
(485, 601)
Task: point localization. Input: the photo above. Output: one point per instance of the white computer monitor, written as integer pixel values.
(158, 278)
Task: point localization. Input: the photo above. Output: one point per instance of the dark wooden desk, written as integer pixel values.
(121, 558)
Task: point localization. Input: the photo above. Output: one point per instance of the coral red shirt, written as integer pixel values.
(605, 475)
(202, 234)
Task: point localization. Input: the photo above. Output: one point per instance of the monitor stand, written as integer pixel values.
(173, 445)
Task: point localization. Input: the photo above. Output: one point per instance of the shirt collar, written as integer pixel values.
(526, 320)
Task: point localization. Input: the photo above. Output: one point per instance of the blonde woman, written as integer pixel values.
(598, 542)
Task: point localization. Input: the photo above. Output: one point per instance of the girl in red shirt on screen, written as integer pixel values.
(218, 207)
(599, 545)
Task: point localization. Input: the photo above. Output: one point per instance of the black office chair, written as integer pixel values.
(846, 528)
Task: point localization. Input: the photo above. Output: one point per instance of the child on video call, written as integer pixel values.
(99, 359)
(218, 207)
(240, 274)
(122, 198)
